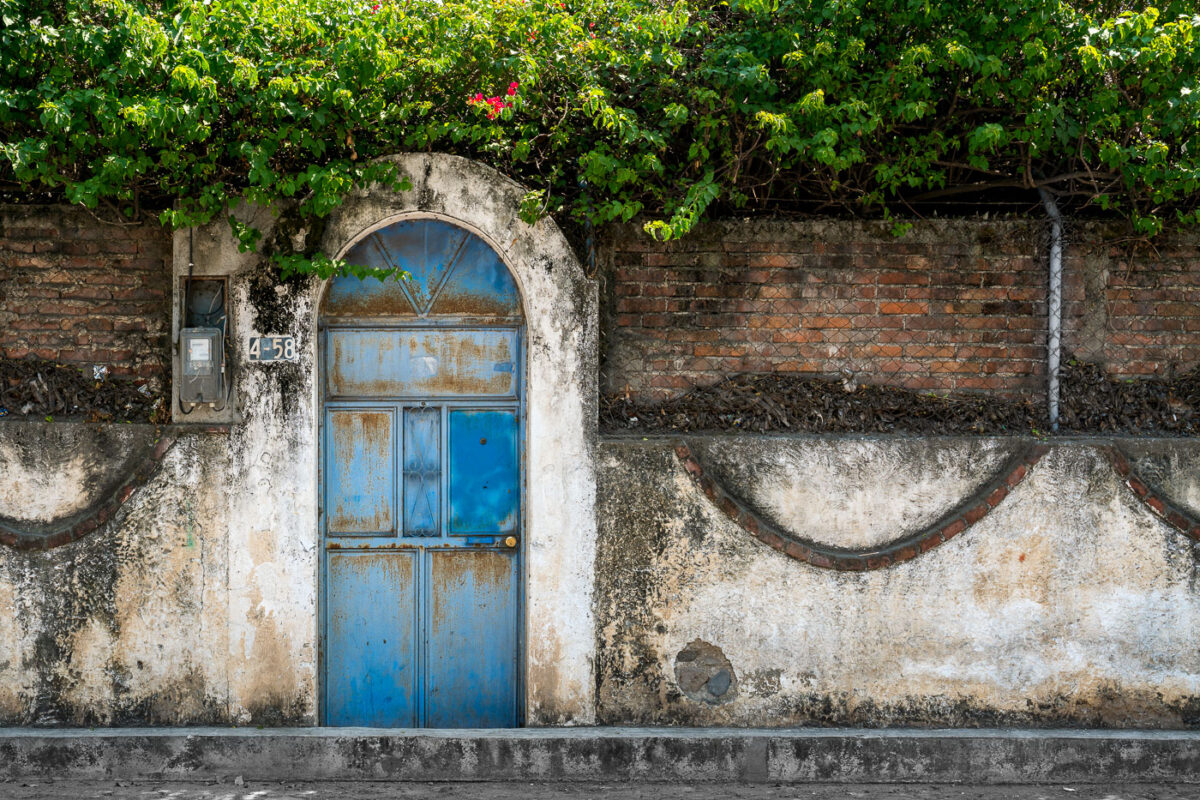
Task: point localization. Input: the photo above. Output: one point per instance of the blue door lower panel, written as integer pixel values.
(449, 615)
(473, 649)
(370, 646)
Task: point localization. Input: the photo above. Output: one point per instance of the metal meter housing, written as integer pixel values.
(202, 356)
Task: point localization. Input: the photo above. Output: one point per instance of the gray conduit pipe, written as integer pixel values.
(1054, 306)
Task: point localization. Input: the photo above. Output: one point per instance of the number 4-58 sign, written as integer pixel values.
(273, 348)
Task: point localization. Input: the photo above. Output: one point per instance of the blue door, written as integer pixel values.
(421, 485)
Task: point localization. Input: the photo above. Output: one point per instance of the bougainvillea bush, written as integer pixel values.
(605, 109)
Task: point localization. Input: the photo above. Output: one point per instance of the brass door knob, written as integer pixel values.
(510, 541)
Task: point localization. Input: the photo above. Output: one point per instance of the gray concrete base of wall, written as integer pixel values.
(989, 756)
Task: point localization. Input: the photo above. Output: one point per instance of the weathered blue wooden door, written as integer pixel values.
(421, 483)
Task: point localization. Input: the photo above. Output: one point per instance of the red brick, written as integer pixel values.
(87, 293)
(1139, 488)
(975, 514)
(904, 278)
(1178, 520)
(997, 496)
(63, 309)
(798, 551)
(1016, 476)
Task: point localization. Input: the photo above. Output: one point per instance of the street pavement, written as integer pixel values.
(236, 788)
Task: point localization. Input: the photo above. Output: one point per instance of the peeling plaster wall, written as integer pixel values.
(197, 602)
(126, 625)
(1069, 603)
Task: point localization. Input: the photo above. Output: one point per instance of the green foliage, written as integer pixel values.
(658, 107)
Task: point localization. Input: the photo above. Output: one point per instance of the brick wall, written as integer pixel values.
(78, 291)
(1138, 314)
(953, 306)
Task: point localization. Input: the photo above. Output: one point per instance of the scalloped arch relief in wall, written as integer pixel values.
(64, 480)
(840, 524)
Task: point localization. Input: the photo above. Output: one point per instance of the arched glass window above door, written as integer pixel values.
(452, 274)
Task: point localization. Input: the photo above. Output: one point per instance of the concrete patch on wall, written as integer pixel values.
(703, 673)
(1067, 604)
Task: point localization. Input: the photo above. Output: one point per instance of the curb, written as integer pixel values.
(983, 756)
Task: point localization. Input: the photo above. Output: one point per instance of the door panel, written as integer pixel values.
(435, 363)
(360, 487)
(472, 658)
(422, 471)
(485, 490)
(371, 649)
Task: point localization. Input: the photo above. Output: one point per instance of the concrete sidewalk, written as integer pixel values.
(984, 756)
(231, 789)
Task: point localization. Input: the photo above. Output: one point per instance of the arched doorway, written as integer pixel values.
(422, 498)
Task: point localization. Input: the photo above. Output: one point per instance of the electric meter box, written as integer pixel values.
(203, 366)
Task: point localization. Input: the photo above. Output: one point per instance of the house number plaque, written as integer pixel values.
(273, 348)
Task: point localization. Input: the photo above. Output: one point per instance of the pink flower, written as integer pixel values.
(494, 104)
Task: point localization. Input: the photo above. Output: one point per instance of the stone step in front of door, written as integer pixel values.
(984, 756)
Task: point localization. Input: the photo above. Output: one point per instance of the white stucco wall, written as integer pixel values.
(1069, 603)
